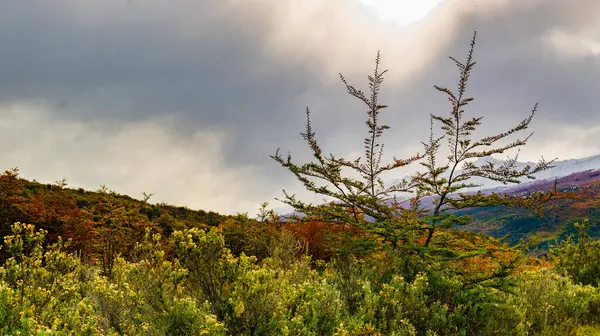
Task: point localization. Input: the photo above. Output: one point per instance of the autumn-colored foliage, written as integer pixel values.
(11, 200)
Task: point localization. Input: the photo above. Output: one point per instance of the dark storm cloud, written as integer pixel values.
(211, 72)
(138, 68)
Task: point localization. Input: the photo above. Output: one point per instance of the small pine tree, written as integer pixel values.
(444, 180)
(370, 204)
(357, 197)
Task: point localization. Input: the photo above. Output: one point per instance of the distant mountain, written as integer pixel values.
(543, 179)
(561, 169)
(558, 219)
(557, 222)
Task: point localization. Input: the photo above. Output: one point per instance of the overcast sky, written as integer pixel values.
(187, 99)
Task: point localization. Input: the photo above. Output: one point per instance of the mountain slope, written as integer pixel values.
(559, 217)
(93, 220)
(561, 169)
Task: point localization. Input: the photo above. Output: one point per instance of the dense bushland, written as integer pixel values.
(204, 289)
(366, 263)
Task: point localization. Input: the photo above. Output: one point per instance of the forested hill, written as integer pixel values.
(89, 217)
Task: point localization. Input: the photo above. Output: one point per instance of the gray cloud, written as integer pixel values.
(188, 98)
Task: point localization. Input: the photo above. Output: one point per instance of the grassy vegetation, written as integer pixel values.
(192, 284)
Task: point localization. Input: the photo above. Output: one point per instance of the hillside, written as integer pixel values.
(557, 219)
(212, 266)
(90, 218)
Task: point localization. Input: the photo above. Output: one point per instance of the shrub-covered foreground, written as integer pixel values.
(192, 284)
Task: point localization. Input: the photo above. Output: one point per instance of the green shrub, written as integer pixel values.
(316, 308)
(578, 256)
(553, 304)
(40, 289)
(185, 318)
(210, 264)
